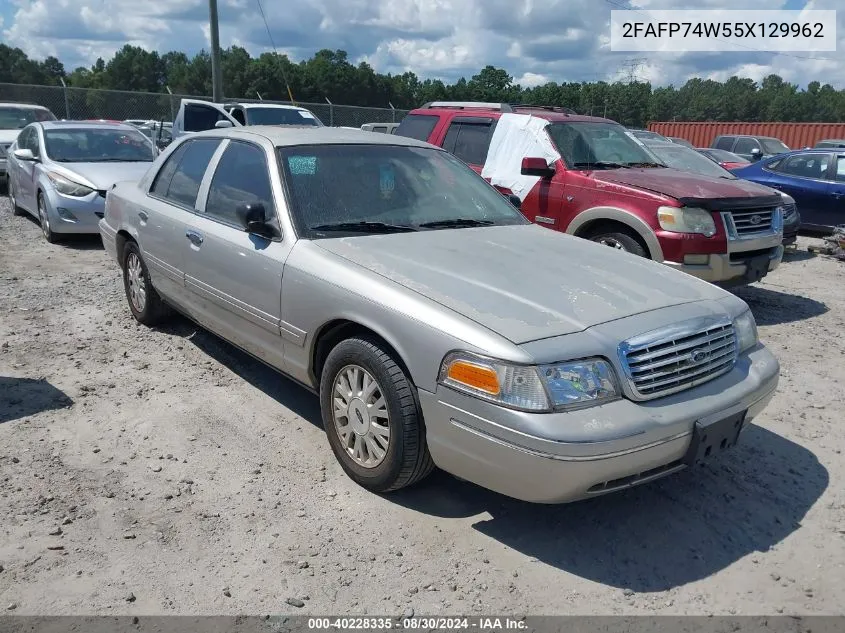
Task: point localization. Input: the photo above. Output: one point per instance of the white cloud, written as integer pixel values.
(535, 40)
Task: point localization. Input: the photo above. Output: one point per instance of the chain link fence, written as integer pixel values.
(119, 105)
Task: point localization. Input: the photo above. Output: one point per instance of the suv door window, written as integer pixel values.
(745, 145)
(241, 177)
(806, 166)
(185, 183)
(418, 126)
(725, 142)
(469, 141)
(199, 117)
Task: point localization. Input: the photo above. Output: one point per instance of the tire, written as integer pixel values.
(44, 220)
(16, 210)
(620, 239)
(406, 459)
(145, 304)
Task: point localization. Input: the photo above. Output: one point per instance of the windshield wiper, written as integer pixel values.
(600, 164)
(456, 223)
(645, 164)
(364, 227)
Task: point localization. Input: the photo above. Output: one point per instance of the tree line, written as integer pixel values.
(330, 75)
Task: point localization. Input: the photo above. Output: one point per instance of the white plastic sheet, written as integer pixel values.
(517, 136)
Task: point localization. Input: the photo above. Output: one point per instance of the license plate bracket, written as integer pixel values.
(757, 268)
(709, 439)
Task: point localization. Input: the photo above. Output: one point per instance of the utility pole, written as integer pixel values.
(216, 68)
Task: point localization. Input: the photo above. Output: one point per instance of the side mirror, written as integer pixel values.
(515, 201)
(253, 217)
(24, 154)
(223, 123)
(756, 154)
(537, 167)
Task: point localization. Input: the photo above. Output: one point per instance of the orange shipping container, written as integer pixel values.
(795, 135)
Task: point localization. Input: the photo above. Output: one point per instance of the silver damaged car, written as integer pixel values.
(437, 325)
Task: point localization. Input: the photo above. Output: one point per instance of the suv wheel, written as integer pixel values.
(371, 417)
(621, 240)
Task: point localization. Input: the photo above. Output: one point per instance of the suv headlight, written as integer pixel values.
(68, 187)
(557, 386)
(687, 220)
(745, 328)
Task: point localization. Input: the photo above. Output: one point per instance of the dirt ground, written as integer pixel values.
(148, 472)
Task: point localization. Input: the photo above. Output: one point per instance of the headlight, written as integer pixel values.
(531, 388)
(68, 187)
(745, 328)
(687, 220)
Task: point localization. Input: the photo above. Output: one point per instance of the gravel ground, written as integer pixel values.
(163, 471)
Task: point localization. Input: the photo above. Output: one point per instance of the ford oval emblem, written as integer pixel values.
(755, 219)
(698, 356)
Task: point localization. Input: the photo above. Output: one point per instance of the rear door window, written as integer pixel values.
(418, 126)
(469, 139)
(725, 142)
(185, 182)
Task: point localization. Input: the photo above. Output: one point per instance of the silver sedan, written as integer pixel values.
(59, 171)
(438, 326)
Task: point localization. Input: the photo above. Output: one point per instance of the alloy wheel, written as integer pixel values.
(137, 283)
(360, 415)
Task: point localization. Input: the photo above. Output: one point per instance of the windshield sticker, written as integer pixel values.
(387, 180)
(302, 165)
(305, 114)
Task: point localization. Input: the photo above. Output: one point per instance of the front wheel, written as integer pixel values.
(372, 418)
(620, 240)
(44, 220)
(144, 302)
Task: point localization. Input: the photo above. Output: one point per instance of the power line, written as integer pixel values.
(273, 44)
(619, 5)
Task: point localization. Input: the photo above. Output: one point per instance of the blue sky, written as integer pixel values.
(535, 40)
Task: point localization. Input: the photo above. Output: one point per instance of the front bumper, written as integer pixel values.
(75, 215)
(503, 450)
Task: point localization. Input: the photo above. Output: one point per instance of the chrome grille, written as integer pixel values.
(750, 221)
(689, 354)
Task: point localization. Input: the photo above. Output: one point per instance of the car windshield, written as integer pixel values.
(96, 145)
(600, 146)
(280, 116)
(724, 156)
(773, 146)
(369, 188)
(17, 118)
(685, 159)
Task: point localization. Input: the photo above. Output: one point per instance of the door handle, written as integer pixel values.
(194, 237)
(144, 217)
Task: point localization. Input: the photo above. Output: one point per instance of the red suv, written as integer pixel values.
(592, 178)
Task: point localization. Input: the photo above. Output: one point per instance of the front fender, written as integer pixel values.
(622, 216)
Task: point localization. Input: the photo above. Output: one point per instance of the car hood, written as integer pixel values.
(524, 282)
(7, 137)
(680, 184)
(103, 175)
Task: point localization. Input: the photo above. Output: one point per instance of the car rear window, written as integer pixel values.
(418, 126)
(725, 142)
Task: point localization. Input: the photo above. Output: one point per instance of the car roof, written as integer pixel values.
(86, 125)
(537, 111)
(262, 104)
(290, 135)
(11, 104)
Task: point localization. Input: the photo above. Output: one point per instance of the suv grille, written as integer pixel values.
(751, 221)
(658, 364)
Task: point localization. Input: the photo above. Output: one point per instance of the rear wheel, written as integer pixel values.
(44, 219)
(144, 302)
(10, 191)
(620, 239)
(372, 418)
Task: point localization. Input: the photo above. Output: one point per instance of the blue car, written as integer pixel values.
(814, 177)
